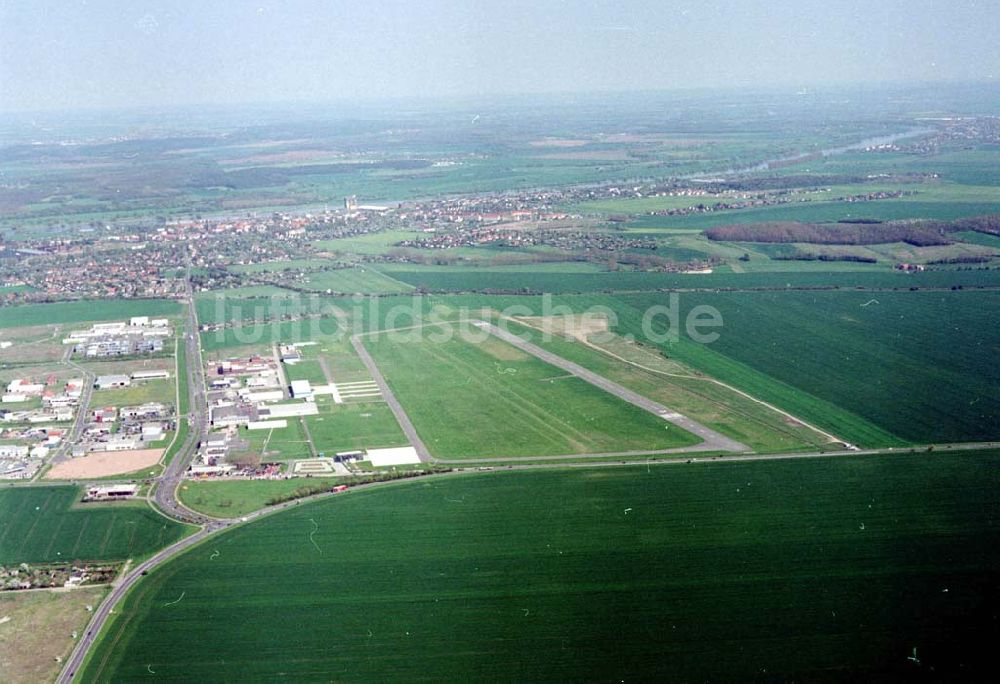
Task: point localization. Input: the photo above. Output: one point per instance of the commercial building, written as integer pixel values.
(301, 389)
(112, 381)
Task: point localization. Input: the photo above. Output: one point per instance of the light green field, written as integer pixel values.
(353, 426)
(352, 280)
(306, 369)
(491, 399)
(373, 243)
(234, 498)
(281, 444)
(160, 391)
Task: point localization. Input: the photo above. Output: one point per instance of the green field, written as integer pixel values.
(352, 280)
(351, 426)
(233, 498)
(807, 276)
(491, 399)
(919, 365)
(258, 334)
(140, 392)
(784, 571)
(822, 212)
(684, 390)
(281, 444)
(78, 312)
(306, 369)
(41, 524)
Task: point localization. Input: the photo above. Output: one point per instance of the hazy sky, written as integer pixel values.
(89, 53)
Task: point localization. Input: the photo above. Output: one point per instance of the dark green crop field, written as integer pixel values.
(830, 570)
(556, 283)
(889, 210)
(37, 525)
(491, 399)
(920, 365)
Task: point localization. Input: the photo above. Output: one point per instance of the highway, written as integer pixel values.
(198, 416)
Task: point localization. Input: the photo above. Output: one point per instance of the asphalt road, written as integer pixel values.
(713, 441)
(167, 484)
(82, 408)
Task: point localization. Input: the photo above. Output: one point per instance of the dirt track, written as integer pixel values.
(104, 463)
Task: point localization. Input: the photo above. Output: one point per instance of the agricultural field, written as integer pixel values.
(492, 399)
(804, 276)
(919, 365)
(47, 524)
(85, 311)
(351, 281)
(849, 563)
(38, 628)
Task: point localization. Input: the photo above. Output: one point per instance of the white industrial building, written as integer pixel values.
(381, 458)
(272, 411)
(112, 381)
(301, 389)
(267, 424)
